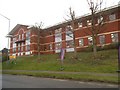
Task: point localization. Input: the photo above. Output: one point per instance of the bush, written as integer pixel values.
(111, 46)
(100, 48)
(5, 58)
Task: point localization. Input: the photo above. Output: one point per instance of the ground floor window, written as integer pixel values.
(28, 48)
(69, 44)
(102, 39)
(81, 42)
(90, 40)
(58, 47)
(114, 37)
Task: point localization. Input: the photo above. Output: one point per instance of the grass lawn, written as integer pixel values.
(108, 63)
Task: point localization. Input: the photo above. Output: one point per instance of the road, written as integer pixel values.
(16, 81)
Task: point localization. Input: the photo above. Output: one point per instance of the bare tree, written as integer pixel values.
(38, 28)
(72, 22)
(95, 8)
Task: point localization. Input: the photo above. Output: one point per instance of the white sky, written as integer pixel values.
(29, 12)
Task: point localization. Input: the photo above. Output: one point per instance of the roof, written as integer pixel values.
(58, 25)
(79, 17)
(16, 28)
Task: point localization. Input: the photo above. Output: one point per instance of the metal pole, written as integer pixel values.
(8, 31)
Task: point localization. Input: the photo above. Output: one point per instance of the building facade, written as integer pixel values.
(25, 40)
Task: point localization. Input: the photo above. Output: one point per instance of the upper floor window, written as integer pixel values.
(14, 39)
(88, 22)
(114, 37)
(58, 30)
(100, 19)
(69, 28)
(27, 34)
(102, 39)
(22, 36)
(27, 42)
(80, 24)
(19, 37)
(112, 17)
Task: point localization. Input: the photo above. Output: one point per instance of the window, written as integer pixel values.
(69, 44)
(81, 43)
(90, 40)
(88, 22)
(69, 28)
(14, 45)
(58, 30)
(58, 45)
(19, 37)
(22, 36)
(58, 35)
(27, 34)
(50, 46)
(28, 48)
(22, 47)
(112, 17)
(102, 39)
(50, 33)
(114, 37)
(100, 20)
(44, 47)
(80, 24)
(19, 47)
(27, 41)
(69, 34)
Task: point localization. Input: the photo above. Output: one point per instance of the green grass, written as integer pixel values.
(108, 62)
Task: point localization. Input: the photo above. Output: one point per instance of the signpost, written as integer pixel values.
(62, 54)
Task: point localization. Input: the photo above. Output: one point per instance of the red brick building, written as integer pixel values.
(24, 40)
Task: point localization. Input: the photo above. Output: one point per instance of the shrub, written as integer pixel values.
(5, 58)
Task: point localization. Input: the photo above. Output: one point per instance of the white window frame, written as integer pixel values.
(81, 42)
(100, 20)
(89, 22)
(70, 42)
(112, 17)
(102, 39)
(80, 24)
(90, 40)
(114, 37)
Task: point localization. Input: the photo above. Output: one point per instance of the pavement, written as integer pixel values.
(16, 81)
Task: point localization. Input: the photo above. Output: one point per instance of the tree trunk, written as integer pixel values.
(75, 50)
(94, 47)
(94, 34)
(38, 45)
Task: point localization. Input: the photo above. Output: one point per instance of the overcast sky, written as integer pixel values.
(29, 12)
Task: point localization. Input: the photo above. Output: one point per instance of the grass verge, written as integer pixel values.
(81, 77)
(108, 63)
